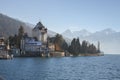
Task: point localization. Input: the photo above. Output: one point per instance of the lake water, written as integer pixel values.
(62, 68)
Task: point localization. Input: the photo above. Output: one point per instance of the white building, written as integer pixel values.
(37, 44)
(40, 32)
(29, 45)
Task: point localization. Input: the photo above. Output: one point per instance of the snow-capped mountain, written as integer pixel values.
(81, 33)
(104, 32)
(68, 33)
(73, 34)
(108, 38)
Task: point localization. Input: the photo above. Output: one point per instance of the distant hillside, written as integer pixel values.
(10, 26)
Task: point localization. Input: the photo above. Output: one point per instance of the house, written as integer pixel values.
(36, 45)
(30, 47)
(4, 49)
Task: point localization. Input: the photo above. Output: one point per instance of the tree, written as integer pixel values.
(20, 35)
(21, 31)
(72, 46)
(13, 40)
(78, 46)
(75, 46)
(64, 45)
(84, 46)
(60, 44)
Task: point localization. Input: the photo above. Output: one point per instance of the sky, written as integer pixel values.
(59, 15)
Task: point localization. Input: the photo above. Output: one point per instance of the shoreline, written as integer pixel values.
(90, 54)
(81, 54)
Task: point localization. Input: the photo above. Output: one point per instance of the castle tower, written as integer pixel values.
(40, 32)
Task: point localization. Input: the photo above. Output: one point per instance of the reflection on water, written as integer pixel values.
(65, 68)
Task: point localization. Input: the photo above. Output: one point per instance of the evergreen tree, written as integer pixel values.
(70, 49)
(84, 46)
(92, 49)
(21, 31)
(78, 46)
(64, 45)
(20, 35)
(13, 40)
(75, 46)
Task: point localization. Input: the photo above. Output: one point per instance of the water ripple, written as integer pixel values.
(64, 68)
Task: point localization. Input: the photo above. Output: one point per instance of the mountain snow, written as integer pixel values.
(108, 38)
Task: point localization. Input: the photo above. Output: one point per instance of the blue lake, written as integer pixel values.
(62, 68)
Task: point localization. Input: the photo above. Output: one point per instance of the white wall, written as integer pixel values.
(38, 35)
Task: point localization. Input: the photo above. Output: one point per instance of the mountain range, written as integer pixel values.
(108, 38)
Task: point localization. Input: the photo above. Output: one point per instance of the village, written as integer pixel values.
(39, 45)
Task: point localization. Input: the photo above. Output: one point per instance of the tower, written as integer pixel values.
(40, 32)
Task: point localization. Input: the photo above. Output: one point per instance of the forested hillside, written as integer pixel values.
(10, 26)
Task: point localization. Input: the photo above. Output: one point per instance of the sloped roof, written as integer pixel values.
(30, 40)
(35, 42)
(39, 26)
